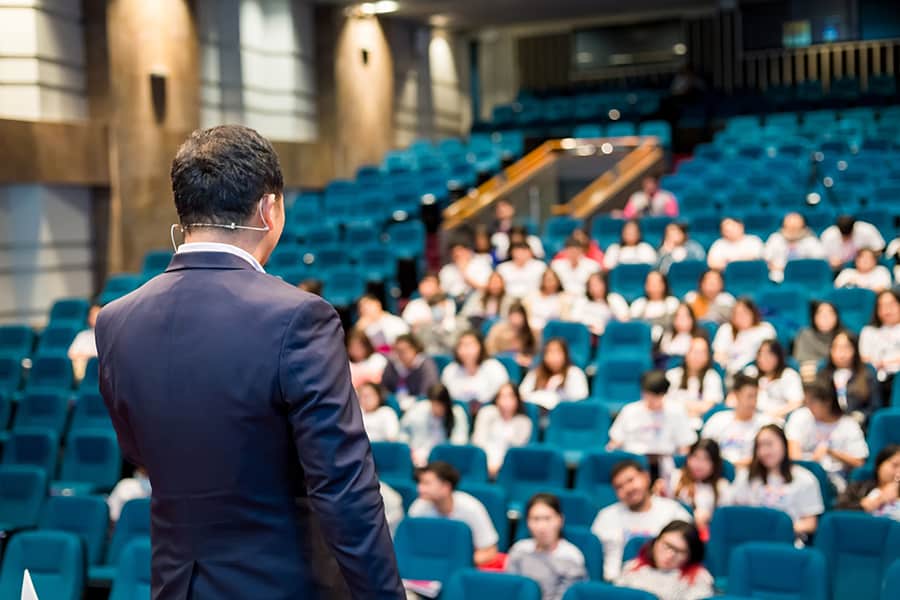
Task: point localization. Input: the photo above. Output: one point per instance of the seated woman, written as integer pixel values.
(381, 422)
(473, 377)
(431, 422)
(657, 305)
(410, 372)
(780, 387)
(677, 338)
(432, 316)
(513, 335)
(599, 306)
(711, 302)
(700, 483)
(548, 303)
(488, 304)
(866, 273)
(546, 556)
(774, 481)
(737, 341)
(857, 391)
(671, 566)
(812, 344)
(822, 433)
(677, 247)
(556, 379)
(631, 249)
(880, 496)
(879, 342)
(366, 365)
(501, 426)
(696, 385)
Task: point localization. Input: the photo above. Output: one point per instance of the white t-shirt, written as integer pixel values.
(642, 431)
(419, 311)
(779, 251)
(653, 310)
(735, 438)
(393, 506)
(876, 280)
(879, 344)
(741, 350)
(725, 251)
(369, 369)
(844, 435)
(775, 394)
(574, 388)
(482, 386)
(710, 391)
(802, 497)
(524, 280)
(596, 314)
(617, 255)
(542, 308)
(615, 525)
(864, 235)
(704, 497)
(466, 509)
(127, 489)
(382, 424)
(454, 284)
(386, 330)
(574, 278)
(495, 435)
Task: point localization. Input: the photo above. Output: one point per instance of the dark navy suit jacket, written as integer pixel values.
(232, 388)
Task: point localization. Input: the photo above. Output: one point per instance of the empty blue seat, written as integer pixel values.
(471, 584)
(884, 429)
(767, 570)
(585, 540)
(617, 381)
(578, 427)
(343, 286)
(118, 285)
(891, 581)
(85, 516)
(407, 239)
(155, 262)
(16, 341)
(50, 372)
(557, 229)
(732, 526)
(577, 337)
(659, 129)
(493, 498)
(746, 277)
(628, 280)
(529, 470)
(420, 558)
(858, 549)
(408, 490)
(55, 560)
(90, 412)
(591, 590)
(813, 275)
(57, 338)
(91, 379)
(854, 305)
(47, 409)
(593, 474)
(588, 131)
(70, 311)
(633, 547)
(684, 276)
(470, 461)
(91, 462)
(786, 304)
(132, 578)
(377, 263)
(606, 230)
(33, 446)
(392, 460)
(620, 129)
(133, 523)
(653, 229)
(22, 492)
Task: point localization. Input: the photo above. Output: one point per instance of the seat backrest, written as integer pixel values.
(132, 578)
(392, 459)
(22, 492)
(591, 590)
(54, 559)
(470, 461)
(628, 280)
(35, 446)
(133, 523)
(576, 336)
(855, 305)
(891, 582)
(578, 426)
(85, 516)
(746, 276)
(633, 547)
(92, 456)
(43, 408)
(585, 540)
(826, 487)
(630, 338)
(16, 341)
(884, 429)
(468, 584)
(493, 498)
(90, 412)
(595, 467)
(70, 310)
(51, 372)
(735, 525)
(529, 470)
(10, 376)
(769, 570)
(684, 276)
(432, 549)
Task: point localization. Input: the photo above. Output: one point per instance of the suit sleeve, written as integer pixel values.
(334, 451)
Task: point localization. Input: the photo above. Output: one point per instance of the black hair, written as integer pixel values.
(814, 307)
(624, 465)
(438, 393)
(520, 404)
(666, 290)
(220, 174)
(360, 336)
(548, 500)
(757, 470)
(876, 320)
(859, 379)
(637, 224)
(777, 349)
(696, 549)
(482, 354)
(443, 471)
(824, 392)
(711, 447)
(884, 455)
(378, 390)
(519, 246)
(742, 380)
(412, 340)
(573, 241)
(587, 288)
(654, 382)
(845, 224)
(542, 372)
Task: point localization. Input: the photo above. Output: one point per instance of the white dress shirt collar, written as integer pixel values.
(220, 247)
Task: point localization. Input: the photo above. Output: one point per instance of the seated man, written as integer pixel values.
(380, 326)
(843, 240)
(734, 430)
(793, 241)
(522, 275)
(438, 498)
(574, 268)
(638, 513)
(735, 244)
(466, 272)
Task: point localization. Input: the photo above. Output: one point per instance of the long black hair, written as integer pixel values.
(438, 393)
(758, 470)
(711, 447)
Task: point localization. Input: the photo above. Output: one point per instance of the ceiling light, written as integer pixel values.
(680, 49)
(367, 8)
(385, 6)
(439, 20)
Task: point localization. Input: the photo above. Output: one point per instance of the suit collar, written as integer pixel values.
(208, 260)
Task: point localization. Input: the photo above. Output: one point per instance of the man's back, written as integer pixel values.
(233, 390)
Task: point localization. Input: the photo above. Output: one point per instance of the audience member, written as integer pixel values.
(575, 267)
(520, 235)
(879, 342)
(734, 245)
(486, 305)
(593, 251)
(434, 421)
(599, 306)
(465, 273)
(638, 513)
(793, 241)
(737, 342)
(867, 273)
(504, 217)
(381, 421)
(513, 335)
(695, 385)
(671, 566)
(549, 303)
(473, 377)
(501, 426)
(711, 302)
(522, 275)
(631, 249)
(812, 344)
(432, 316)
(546, 556)
(409, 372)
(657, 305)
(854, 383)
(366, 365)
(311, 286)
(130, 488)
(481, 245)
(381, 327)
(556, 379)
(677, 247)
(84, 347)
(676, 339)
(822, 433)
(775, 482)
(700, 483)
(780, 387)
(735, 429)
(893, 254)
(879, 496)
(393, 506)
(439, 498)
(843, 240)
(651, 200)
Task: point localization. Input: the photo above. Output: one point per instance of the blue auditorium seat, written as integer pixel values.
(588, 131)
(70, 311)
(90, 412)
(746, 277)
(653, 229)
(50, 372)
(769, 570)
(16, 341)
(576, 336)
(119, 285)
(22, 492)
(633, 547)
(85, 516)
(684, 276)
(659, 129)
(884, 429)
(585, 540)
(471, 584)
(55, 560)
(91, 379)
(56, 338)
(407, 239)
(420, 558)
(603, 591)
(48, 409)
(132, 579)
(392, 460)
(617, 379)
(529, 470)
(628, 280)
(593, 474)
(732, 526)
(621, 129)
(343, 286)
(469, 460)
(788, 304)
(32, 446)
(606, 230)
(577, 427)
(133, 523)
(91, 462)
(891, 581)
(854, 305)
(813, 275)
(493, 498)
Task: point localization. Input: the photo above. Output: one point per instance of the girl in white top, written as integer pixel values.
(867, 274)
(381, 422)
(700, 483)
(473, 377)
(695, 385)
(547, 304)
(490, 303)
(775, 482)
(737, 341)
(432, 316)
(599, 306)
(380, 326)
(556, 379)
(434, 421)
(366, 365)
(711, 302)
(822, 433)
(630, 249)
(734, 245)
(657, 305)
(879, 496)
(879, 343)
(676, 340)
(501, 426)
(780, 387)
(522, 274)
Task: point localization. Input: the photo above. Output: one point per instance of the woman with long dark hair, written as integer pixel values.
(813, 343)
(879, 343)
(857, 390)
(501, 426)
(473, 376)
(700, 483)
(434, 421)
(780, 387)
(556, 379)
(879, 496)
(513, 335)
(380, 421)
(737, 341)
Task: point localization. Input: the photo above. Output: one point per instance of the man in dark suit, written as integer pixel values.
(232, 389)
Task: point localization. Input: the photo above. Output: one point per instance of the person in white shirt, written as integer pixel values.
(366, 365)
(522, 275)
(574, 268)
(867, 273)
(439, 498)
(737, 341)
(129, 488)
(549, 303)
(599, 306)
(880, 495)
(381, 327)
(657, 305)
(696, 386)
(774, 481)
(651, 200)
(503, 242)
(381, 421)
(879, 342)
(652, 427)
(432, 316)
(638, 513)
(780, 387)
(556, 379)
(700, 483)
(844, 239)
(631, 249)
(793, 241)
(428, 423)
(84, 347)
(677, 247)
(733, 245)
(822, 433)
(501, 426)
(711, 302)
(491, 303)
(473, 377)
(858, 392)
(734, 430)
(393, 506)
(677, 338)
(465, 273)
